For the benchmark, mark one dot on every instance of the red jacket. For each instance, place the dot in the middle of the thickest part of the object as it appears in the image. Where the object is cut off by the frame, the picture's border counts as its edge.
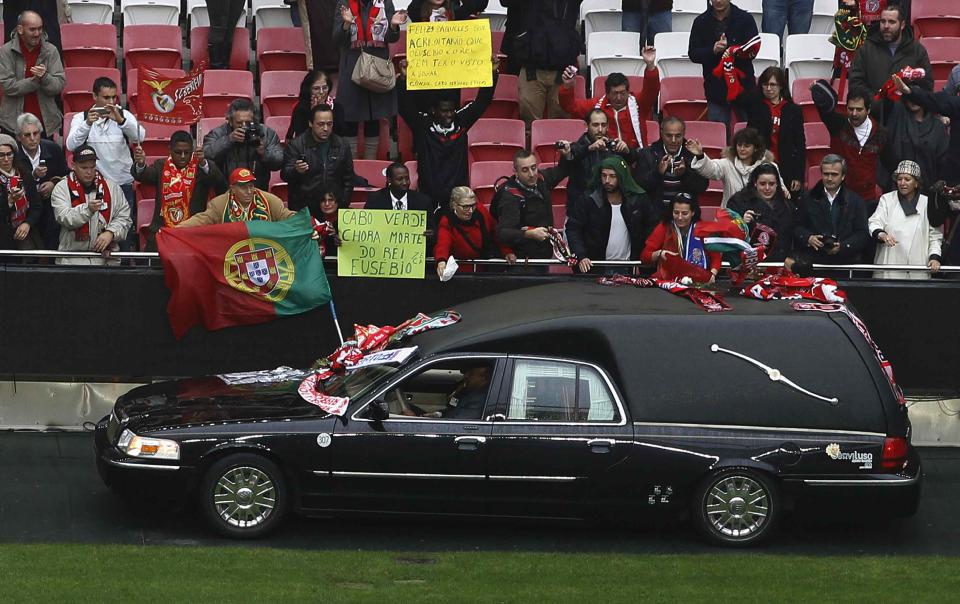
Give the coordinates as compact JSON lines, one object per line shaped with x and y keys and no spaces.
{"x":452,"y":239}
{"x":664,"y":237}
{"x":645,"y":101}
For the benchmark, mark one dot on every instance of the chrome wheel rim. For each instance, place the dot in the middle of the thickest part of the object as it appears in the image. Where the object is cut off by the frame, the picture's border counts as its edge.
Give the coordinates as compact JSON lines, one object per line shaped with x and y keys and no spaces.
{"x":737,"y":507}
{"x":244,"y":497}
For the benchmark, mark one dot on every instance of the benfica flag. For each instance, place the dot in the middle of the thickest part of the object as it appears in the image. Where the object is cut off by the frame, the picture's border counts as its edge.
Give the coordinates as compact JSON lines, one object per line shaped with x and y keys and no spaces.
{"x":241,"y":273}
{"x":166,"y":100}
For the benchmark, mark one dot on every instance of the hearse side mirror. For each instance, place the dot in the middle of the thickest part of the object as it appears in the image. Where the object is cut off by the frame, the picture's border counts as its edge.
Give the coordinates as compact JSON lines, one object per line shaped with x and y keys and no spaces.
{"x":378,"y":411}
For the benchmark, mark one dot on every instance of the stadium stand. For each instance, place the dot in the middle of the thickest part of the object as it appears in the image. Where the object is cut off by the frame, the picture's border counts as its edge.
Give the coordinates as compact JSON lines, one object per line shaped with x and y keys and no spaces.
{"x":279,"y":91}
{"x":281,"y":49}
{"x":611,"y":51}
{"x":496,"y":139}
{"x":77,"y":92}
{"x":89,"y":45}
{"x":683,"y":97}
{"x":672,"y":59}
{"x":152,"y":45}
{"x":239,"y":52}
{"x":808,"y":56}
{"x":506,"y":98}
{"x":818,"y":142}
{"x":546,"y":132}
{"x":150,"y":12}
{"x":601,"y":15}
{"x":271,"y":13}
{"x":943,"y":53}
{"x":935,"y":18}
{"x":484,"y":175}
{"x":221,"y":86}
{"x":90,"y":11}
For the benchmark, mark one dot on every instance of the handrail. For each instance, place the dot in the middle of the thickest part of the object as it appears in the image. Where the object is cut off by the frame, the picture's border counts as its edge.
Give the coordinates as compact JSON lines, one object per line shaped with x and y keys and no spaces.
{"x":151,"y":256}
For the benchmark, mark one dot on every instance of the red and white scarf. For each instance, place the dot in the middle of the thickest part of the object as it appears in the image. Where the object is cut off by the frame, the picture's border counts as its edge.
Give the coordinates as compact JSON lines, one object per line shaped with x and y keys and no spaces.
{"x":633,"y":107}
{"x":726,"y":71}
{"x":374,"y":31}
{"x":176,"y":189}
{"x":19,"y":207}
{"x":79,"y":197}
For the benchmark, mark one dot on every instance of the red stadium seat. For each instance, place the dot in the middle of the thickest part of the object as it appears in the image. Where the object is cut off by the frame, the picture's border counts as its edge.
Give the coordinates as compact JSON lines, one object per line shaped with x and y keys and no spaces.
{"x":222,"y":86}
{"x":278,"y":186}
{"x":67,"y":120}
{"x":398,"y":48}
{"x":374,"y":171}
{"x":152,"y":46}
{"x":239,"y":53}
{"x":653,"y":130}
{"x":709,"y":213}
{"x":558,"y":195}
{"x":636,"y":85}
{"x":279,"y":91}
{"x":544,"y":133}
{"x":412,"y":166}
{"x":157,"y":140}
{"x":818,"y":142}
{"x":484,"y":175}
{"x":206,"y":124}
{"x":712,"y":135}
{"x":943,"y":53}
{"x":506,"y":98}
{"x":813,"y":176}
{"x":559,"y":216}
{"x":495,"y":139}
{"x":89,"y":45}
{"x":133,"y":87}
{"x":713,"y":196}
{"x":682,"y":96}
{"x":281,"y":49}
{"x":580,"y":87}
{"x":144,"y":214}
{"x":404,"y":140}
{"x":279,"y":124}
{"x":932,"y":18}
{"x":78,"y":87}
{"x":496,"y":41}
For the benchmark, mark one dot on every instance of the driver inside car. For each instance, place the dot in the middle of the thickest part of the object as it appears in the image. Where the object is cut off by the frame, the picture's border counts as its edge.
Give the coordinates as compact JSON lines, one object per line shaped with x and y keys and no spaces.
{"x":467,"y":399}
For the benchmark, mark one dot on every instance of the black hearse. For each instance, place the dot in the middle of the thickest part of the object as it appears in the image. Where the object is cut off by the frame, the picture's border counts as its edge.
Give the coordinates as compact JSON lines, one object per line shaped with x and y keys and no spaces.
{"x":568,"y":400}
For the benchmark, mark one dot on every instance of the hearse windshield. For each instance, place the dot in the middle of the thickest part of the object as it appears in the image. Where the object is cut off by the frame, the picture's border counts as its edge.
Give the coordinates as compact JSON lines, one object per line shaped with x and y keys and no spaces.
{"x":355,"y":383}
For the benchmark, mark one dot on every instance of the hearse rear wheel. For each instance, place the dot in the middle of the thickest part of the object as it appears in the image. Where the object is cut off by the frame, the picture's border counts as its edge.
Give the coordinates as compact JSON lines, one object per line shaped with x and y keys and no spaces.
{"x":736,"y":507}
{"x":244,"y":495}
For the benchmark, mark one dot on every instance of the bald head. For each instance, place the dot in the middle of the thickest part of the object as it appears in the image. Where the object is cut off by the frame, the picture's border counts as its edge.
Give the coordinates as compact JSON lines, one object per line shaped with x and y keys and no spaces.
{"x":30,"y":28}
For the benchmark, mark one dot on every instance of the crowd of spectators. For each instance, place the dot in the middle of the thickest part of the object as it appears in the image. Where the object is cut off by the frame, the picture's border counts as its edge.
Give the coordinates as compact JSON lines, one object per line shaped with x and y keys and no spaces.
{"x":628,"y":196}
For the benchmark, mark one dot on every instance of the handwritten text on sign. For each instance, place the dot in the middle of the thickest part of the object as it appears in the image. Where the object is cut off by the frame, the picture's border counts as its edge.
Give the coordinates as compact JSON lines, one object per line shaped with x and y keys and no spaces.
{"x":382,"y":243}
{"x":451,"y":54}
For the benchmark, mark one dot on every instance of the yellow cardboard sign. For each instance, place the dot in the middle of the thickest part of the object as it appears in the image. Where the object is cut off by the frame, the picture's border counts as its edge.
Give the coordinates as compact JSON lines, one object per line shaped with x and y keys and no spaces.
{"x":382,"y":243}
{"x":449,"y":54}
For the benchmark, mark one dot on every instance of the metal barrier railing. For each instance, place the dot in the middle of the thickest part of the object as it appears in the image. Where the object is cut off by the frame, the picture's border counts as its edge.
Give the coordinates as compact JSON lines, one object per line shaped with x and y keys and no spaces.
{"x":152,"y":259}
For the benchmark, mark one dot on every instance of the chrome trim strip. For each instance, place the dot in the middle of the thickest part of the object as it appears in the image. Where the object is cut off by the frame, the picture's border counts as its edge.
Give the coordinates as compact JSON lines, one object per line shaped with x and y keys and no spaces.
{"x":775,"y":374}
{"x":470,"y":439}
{"x":764,"y":428}
{"x":402,"y":475}
{"x":140,"y":466}
{"x":535,"y":478}
{"x":601,"y":442}
{"x":893,"y":482}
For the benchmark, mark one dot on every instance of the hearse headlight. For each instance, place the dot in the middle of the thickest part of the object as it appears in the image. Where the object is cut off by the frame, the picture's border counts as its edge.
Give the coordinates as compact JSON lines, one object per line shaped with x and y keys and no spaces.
{"x":145,"y":446}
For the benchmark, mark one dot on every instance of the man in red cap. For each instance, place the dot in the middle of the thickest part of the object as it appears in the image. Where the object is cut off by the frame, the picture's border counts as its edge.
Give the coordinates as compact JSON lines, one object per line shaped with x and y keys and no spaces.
{"x":243,"y":202}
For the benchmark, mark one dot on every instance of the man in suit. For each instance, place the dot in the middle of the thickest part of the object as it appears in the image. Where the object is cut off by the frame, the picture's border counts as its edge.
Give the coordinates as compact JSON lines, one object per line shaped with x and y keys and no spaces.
{"x":397,"y":195}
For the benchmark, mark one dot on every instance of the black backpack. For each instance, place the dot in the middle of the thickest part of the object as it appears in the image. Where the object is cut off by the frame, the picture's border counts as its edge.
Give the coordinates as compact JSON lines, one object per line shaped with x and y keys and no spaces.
{"x":504,"y":186}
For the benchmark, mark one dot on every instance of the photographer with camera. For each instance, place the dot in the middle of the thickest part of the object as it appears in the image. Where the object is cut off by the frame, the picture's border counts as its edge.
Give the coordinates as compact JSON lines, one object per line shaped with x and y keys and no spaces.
{"x":594,"y":146}
{"x":832,"y":222}
{"x":243,"y":142}
{"x":766,"y":209}
{"x":316,"y":159}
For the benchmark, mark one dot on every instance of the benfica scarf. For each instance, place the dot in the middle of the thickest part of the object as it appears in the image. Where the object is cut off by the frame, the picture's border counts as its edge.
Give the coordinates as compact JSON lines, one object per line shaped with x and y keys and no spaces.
{"x":374,"y":31}
{"x":19,"y":206}
{"x":78,"y":197}
{"x":258,"y":209}
{"x":784,"y":285}
{"x":728,"y":72}
{"x":176,"y":189}
{"x":708,"y":301}
{"x":889,"y":89}
{"x":634,"y":108}
{"x":561,"y":251}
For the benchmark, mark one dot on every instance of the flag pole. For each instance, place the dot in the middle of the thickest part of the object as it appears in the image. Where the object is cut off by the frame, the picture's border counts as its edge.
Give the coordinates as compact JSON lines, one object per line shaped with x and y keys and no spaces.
{"x":333,"y":311}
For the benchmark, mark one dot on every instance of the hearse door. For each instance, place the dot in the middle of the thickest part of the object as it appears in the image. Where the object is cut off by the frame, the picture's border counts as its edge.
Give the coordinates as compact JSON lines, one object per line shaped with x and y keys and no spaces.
{"x":430,"y":454}
{"x":559,"y":440}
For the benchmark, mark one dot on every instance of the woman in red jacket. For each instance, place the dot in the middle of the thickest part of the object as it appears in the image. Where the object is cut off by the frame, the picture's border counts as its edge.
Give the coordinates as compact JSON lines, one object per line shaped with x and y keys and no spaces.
{"x":674,"y":236}
{"x":467,"y":231}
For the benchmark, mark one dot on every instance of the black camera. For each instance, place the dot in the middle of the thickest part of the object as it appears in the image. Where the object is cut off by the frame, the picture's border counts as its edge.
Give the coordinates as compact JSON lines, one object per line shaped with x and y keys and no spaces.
{"x":558,"y":145}
{"x":612,"y":145}
{"x":829,"y":241}
{"x":302,"y":158}
{"x":251,"y":134}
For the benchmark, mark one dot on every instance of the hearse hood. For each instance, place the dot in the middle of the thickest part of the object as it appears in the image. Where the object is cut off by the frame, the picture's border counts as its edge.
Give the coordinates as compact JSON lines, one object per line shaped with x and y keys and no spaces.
{"x":206,"y":400}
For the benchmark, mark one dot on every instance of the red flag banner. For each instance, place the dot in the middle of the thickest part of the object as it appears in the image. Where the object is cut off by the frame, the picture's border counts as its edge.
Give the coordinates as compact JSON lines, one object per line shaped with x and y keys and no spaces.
{"x":168,"y":100}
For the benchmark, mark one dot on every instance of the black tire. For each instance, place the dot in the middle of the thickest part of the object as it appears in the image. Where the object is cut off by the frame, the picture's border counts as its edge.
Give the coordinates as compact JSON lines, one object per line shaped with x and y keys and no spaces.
{"x":249,"y":510}
{"x":736,"y":507}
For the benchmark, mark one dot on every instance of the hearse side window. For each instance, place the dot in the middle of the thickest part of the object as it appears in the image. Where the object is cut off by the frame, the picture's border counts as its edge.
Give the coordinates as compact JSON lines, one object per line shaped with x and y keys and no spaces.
{"x":556,"y":391}
{"x":455,"y":389}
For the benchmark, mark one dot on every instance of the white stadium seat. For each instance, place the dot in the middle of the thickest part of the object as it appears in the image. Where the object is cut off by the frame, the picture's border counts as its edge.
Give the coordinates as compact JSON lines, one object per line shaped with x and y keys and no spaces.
{"x":91,"y":11}
{"x":809,"y":56}
{"x":611,"y":51}
{"x":672,"y":56}
{"x":684,"y":13}
{"x":769,"y":54}
{"x":271,"y":13}
{"x":601,"y":15}
{"x":754,"y":7}
{"x":200,"y":17}
{"x":497,"y":15}
{"x":150,"y":12}
{"x":823,"y":13}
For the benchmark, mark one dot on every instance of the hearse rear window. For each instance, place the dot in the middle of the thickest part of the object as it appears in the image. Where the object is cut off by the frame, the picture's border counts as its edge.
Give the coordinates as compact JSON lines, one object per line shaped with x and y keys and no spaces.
{"x":556,"y":391}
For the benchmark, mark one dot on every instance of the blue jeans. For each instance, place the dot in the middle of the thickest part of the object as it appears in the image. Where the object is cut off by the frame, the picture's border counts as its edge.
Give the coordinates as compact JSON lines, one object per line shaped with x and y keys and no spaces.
{"x":660,"y":22}
{"x":722,"y":112}
{"x":778,"y":14}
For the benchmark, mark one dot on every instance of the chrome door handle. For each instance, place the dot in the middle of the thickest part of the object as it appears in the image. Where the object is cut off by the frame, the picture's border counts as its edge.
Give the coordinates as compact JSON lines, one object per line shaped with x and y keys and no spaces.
{"x":600,"y":445}
{"x":469,"y":443}
{"x":496,"y":417}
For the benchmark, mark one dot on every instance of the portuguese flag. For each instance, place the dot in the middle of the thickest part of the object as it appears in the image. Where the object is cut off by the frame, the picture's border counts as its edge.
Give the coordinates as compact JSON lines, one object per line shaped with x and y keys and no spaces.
{"x":241,"y":273}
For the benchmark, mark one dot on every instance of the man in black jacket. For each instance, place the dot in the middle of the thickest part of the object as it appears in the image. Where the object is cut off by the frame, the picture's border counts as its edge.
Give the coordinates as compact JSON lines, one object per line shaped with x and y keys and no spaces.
{"x":613,"y":220}
{"x":721,"y":26}
{"x":832,"y":228}
{"x":591,"y":149}
{"x":315,"y":159}
{"x":663,"y":168}
{"x":49,"y":166}
{"x":522,"y":207}
{"x":440,"y":137}
{"x":397,"y":195}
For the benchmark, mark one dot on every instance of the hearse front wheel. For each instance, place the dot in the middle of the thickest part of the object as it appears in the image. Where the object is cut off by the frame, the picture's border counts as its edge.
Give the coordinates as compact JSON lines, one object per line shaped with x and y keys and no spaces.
{"x":244,"y":495}
{"x":736,"y":507}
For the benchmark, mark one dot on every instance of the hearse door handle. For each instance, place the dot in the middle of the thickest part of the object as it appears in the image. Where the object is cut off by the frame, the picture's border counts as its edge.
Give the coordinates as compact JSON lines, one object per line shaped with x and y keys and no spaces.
{"x":600,"y":445}
{"x":469,"y":443}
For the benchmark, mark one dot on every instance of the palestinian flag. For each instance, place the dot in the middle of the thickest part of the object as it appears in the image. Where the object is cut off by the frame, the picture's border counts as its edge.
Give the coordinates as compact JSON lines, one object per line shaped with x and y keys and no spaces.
{"x":241,"y":273}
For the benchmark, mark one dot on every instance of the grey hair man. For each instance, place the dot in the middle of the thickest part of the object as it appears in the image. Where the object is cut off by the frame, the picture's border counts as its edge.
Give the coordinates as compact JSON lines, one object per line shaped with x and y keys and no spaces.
{"x":46,"y":161}
{"x":242,"y":142}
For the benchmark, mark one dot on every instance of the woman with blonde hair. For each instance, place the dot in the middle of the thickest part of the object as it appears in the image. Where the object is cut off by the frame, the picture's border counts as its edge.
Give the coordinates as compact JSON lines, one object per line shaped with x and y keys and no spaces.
{"x":467,"y":231}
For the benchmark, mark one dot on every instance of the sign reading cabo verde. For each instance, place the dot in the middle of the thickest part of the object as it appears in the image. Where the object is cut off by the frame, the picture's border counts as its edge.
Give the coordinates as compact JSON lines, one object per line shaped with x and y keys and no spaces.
{"x":450,"y":54}
{"x":382,"y":243}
